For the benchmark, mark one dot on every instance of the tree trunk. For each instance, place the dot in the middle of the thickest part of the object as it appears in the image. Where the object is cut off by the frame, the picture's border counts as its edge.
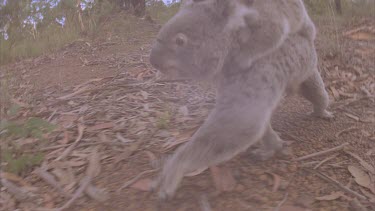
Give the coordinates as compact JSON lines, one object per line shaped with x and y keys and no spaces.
{"x":338,"y":7}
{"x":139,"y":7}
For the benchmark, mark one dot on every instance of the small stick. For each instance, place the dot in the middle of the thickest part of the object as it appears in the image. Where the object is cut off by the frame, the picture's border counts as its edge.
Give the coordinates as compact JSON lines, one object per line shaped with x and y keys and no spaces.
{"x":79,"y":91}
{"x":71,"y":147}
{"x":367,"y":166}
{"x":337,"y":165}
{"x":18,"y":192}
{"x":49,"y":148}
{"x":321,"y":152}
{"x":52,"y":115}
{"x":339,"y":185}
{"x":309,"y":163}
{"x":47,"y":177}
{"x":80,"y":145}
{"x":293,"y":137}
{"x":345,"y":131}
{"x":325,"y":160}
{"x":85,"y":182}
{"x":130,"y":182}
{"x":171,"y":80}
{"x":281,"y":203}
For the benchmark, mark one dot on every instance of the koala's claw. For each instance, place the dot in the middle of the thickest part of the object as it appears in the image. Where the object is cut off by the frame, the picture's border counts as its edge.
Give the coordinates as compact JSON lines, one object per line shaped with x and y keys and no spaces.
{"x":262,"y":154}
{"x":163,"y":196}
{"x":165,"y":192}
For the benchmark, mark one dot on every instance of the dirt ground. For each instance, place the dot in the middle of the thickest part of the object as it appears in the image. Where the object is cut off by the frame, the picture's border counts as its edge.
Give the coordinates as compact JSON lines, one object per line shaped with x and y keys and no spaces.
{"x":117,"y":119}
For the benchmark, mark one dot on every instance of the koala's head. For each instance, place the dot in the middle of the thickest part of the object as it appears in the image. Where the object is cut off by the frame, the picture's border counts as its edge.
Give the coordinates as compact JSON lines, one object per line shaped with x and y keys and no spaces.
{"x":206,"y":34}
{"x":194,"y":42}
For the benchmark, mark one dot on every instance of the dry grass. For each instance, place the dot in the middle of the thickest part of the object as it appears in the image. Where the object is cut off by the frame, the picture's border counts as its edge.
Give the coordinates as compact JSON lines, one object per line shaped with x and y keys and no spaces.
{"x":330,"y":24}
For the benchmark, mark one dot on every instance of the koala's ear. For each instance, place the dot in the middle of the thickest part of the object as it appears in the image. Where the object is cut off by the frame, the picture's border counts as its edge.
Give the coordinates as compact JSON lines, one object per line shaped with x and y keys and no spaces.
{"x":240,"y":14}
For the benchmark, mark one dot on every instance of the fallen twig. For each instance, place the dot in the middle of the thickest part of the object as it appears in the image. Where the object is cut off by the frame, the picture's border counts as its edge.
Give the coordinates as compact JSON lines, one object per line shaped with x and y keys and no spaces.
{"x":19,"y":193}
{"x":172,"y":80}
{"x":130,"y":182}
{"x":293,"y":137}
{"x":366,"y":165}
{"x":276,"y":181}
{"x":338,"y":184}
{"x":52,"y":115}
{"x":309,"y":163}
{"x":337,"y":135}
{"x":79,"y":145}
{"x":71,"y":147}
{"x":85,"y":182}
{"x":94,"y":168}
{"x":281,"y":203}
{"x":122,"y":139}
{"x":351,"y":116}
{"x":90,"y":81}
{"x":325,"y":160}
{"x":321,"y":152}
{"x":79,"y":91}
{"x":47,"y":177}
{"x":49,"y":148}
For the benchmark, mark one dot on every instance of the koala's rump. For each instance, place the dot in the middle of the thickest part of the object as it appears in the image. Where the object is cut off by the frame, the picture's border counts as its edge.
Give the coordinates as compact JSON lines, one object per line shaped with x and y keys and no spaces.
{"x":293,"y":63}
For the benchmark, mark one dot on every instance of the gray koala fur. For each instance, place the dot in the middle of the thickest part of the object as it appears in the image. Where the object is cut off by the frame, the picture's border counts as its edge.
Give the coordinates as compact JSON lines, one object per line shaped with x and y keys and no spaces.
{"x":256,"y":50}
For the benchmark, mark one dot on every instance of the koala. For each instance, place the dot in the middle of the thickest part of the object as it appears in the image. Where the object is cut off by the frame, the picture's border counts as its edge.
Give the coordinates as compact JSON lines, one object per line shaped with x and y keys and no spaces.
{"x":255,"y":51}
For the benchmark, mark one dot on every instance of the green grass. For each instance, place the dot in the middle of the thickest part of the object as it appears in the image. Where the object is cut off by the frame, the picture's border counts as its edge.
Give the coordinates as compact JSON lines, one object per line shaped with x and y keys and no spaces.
{"x":163,"y":120}
{"x":19,"y":163}
{"x":330,"y":24}
{"x":48,"y":41}
{"x":12,"y":156}
{"x":52,"y":37}
{"x":351,"y":10}
{"x":33,"y":127}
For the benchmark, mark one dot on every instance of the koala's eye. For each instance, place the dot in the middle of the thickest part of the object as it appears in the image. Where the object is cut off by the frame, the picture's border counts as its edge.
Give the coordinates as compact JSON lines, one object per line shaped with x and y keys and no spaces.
{"x":181,"y":40}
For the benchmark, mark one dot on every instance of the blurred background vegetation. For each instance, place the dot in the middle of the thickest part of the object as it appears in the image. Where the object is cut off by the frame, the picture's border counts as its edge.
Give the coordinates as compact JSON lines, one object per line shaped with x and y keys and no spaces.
{"x":29,"y":28}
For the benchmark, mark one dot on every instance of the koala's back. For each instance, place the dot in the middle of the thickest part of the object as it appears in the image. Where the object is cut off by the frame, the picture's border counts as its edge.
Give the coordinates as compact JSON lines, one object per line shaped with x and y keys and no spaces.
{"x":293,"y":63}
{"x":293,"y":11}
{"x":283,"y":70}
{"x":268,"y":25}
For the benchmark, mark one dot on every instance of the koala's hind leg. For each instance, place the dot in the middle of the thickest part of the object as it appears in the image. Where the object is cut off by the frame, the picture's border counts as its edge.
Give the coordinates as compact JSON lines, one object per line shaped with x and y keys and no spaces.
{"x":229,"y":130}
{"x":271,"y":144}
{"x":313,"y":90}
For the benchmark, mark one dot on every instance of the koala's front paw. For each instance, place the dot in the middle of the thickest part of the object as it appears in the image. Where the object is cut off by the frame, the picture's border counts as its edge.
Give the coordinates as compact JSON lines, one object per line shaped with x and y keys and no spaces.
{"x":170,"y":178}
{"x":166,"y":191}
{"x":160,"y":186}
{"x":262,"y":154}
{"x":275,"y":149}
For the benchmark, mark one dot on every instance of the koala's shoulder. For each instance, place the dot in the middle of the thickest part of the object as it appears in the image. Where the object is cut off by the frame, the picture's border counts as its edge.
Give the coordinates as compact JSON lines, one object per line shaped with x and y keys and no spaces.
{"x":293,"y":11}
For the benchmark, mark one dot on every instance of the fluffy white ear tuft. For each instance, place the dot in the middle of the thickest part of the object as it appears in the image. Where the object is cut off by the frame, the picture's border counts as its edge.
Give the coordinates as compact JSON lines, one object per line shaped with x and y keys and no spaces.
{"x":237,"y":15}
